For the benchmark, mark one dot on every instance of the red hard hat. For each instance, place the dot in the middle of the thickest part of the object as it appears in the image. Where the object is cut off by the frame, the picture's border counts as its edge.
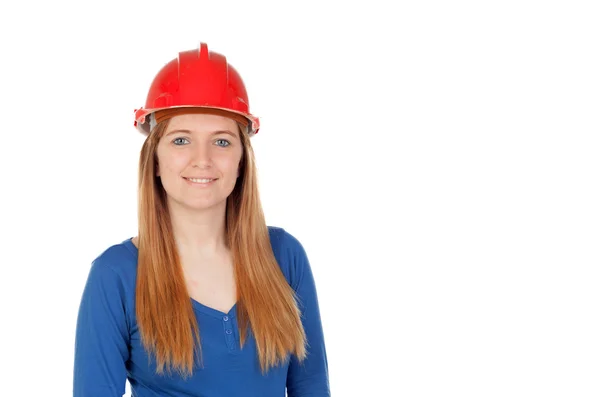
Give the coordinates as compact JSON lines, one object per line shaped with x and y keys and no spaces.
{"x":196,"y":78}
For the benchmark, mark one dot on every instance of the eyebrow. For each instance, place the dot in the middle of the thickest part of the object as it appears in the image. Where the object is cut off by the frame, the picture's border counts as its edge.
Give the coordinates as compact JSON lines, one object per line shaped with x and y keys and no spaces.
{"x":213,"y":133}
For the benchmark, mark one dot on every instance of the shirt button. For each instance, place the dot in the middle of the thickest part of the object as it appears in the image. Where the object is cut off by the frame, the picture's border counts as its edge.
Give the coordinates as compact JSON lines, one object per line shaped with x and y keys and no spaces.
{"x":225,"y":318}
{"x":228,"y":331}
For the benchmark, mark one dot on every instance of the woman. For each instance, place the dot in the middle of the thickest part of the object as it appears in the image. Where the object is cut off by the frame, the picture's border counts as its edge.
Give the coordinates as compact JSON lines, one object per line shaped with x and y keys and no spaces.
{"x":207,"y":300}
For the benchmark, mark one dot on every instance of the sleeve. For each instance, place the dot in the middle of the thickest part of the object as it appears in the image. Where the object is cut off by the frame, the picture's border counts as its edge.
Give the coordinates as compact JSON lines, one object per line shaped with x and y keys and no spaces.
{"x":101,"y":336}
{"x":309,"y":378}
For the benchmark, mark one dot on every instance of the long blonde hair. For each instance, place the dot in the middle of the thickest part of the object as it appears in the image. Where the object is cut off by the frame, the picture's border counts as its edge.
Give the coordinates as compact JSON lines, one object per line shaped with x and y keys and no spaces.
{"x":265,"y":300}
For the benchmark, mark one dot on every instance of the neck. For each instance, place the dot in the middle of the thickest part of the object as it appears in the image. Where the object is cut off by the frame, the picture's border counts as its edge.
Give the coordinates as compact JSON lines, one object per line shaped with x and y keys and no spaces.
{"x":199,"y":233}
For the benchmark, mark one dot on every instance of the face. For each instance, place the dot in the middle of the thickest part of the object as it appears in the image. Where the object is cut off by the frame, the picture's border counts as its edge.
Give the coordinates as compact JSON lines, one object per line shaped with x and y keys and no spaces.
{"x":199,"y":146}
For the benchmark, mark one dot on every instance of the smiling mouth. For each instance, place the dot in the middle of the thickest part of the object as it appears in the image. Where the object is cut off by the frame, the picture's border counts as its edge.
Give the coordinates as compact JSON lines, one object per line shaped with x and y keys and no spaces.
{"x":200,"y":181}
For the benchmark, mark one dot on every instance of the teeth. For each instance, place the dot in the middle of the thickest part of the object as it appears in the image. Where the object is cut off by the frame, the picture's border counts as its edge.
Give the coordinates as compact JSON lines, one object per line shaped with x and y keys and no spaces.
{"x":199,"y":180}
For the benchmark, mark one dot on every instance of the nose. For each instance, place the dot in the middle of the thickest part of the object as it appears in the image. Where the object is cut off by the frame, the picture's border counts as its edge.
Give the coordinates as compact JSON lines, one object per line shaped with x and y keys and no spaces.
{"x":202,"y":156}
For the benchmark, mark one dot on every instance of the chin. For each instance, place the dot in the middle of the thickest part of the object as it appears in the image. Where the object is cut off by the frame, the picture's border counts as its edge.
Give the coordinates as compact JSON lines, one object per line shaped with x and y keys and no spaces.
{"x":203,"y":206}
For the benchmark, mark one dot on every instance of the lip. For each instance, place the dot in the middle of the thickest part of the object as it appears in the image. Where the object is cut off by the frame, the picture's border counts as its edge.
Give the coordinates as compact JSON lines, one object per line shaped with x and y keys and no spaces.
{"x":197,"y":184}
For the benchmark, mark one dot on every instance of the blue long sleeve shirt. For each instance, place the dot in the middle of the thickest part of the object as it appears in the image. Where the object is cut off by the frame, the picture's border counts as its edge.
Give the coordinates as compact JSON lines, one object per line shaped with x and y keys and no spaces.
{"x":108,"y":349}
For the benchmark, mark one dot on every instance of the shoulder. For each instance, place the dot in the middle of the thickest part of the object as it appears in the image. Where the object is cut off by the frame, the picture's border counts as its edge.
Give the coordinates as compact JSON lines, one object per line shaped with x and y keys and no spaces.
{"x":284,"y":242}
{"x":118,"y":257}
{"x":290,"y":254}
{"x":115,"y":264}
{"x":282,"y":237}
{"x":110,"y":286}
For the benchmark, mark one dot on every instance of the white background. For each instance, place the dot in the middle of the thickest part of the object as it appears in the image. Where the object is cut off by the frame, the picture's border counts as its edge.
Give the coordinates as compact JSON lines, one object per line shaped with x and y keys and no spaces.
{"x":439,"y":161}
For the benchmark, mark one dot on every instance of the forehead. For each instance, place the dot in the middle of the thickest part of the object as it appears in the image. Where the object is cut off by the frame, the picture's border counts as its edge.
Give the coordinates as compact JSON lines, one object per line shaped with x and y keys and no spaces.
{"x":202,"y":123}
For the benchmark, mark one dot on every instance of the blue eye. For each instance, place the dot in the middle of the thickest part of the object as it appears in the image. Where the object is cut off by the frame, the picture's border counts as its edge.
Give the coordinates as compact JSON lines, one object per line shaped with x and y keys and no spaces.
{"x":176,"y":139}
{"x":224,"y":144}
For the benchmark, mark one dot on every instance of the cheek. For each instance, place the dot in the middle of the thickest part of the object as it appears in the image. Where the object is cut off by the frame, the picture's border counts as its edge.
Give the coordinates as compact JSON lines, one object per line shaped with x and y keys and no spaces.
{"x":172,"y":164}
{"x":229,"y":164}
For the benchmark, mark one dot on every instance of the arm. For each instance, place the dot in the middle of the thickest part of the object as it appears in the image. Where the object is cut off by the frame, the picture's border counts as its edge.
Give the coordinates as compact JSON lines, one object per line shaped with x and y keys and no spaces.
{"x":101,"y":336}
{"x":309,"y":378}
